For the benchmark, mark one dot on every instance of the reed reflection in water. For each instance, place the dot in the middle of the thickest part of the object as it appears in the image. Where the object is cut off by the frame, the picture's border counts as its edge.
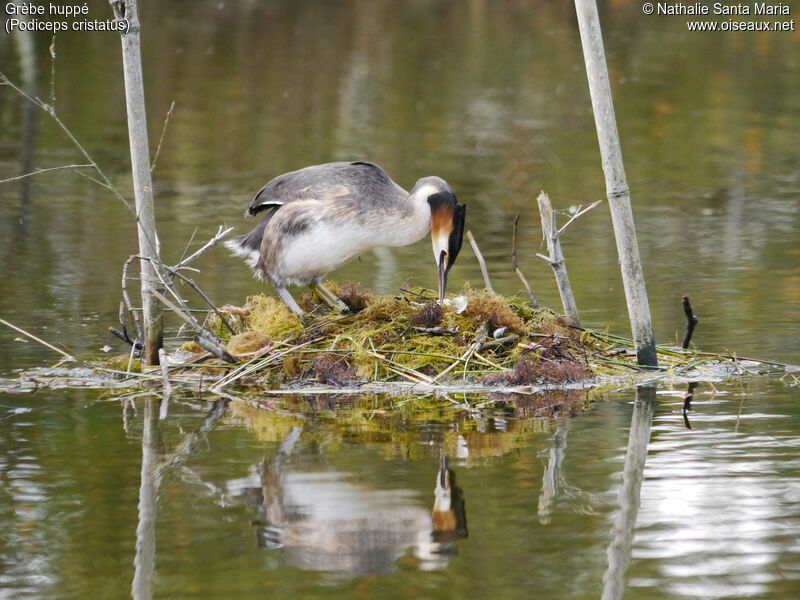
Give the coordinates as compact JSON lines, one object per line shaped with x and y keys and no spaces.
{"x":316,"y":517}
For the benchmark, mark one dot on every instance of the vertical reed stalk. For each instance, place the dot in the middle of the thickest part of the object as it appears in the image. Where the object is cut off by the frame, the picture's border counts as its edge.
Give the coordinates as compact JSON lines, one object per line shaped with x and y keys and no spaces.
{"x":142,"y":181}
{"x":619,"y":198}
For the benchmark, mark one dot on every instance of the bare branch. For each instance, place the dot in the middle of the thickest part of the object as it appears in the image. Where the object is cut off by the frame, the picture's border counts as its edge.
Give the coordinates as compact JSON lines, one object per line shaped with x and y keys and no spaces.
{"x":514,"y":264}
{"x":691,"y":322}
{"x":52,"y":50}
{"x":205,"y":339}
{"x":544,"y":258}
{"x":40,"y":171}
{"x":90,"y":178}
{"x":617,"y":191}
{"x":578,"y":213}
{"x":189,"y":243}
{"x":161,"y":140}
{"x":52,"y":112}
{"x":481,"y":262}
{"x":214,"y":348}
{"x":203,"y":295}
{"x":127,"y":299}
{"x":162,"y":360}
{"x":221,"y":234}
{"x":182,"y":313}
{"x":556,"y":259}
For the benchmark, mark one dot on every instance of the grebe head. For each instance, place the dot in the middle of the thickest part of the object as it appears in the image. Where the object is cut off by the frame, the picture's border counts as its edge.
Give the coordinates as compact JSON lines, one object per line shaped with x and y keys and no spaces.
{"x":447,"y":225}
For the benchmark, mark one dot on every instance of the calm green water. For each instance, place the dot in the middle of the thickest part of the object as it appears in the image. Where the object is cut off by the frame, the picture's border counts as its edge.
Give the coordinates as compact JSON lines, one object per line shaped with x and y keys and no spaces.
{"x":492,"y":96}
{"x":544,"y":510}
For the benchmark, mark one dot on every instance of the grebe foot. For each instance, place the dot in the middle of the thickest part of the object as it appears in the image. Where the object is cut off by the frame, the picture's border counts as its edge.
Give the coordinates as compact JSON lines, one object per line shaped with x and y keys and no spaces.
{"x":284,"y":295}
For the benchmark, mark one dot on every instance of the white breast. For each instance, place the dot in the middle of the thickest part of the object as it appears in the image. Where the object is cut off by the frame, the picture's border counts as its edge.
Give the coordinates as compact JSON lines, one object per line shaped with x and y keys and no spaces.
{"x":307,"y":256}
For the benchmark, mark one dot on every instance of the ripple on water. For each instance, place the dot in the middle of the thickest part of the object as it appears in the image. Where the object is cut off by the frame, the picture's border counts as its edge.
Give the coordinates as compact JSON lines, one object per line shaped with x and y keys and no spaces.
{"x":719,"y":512}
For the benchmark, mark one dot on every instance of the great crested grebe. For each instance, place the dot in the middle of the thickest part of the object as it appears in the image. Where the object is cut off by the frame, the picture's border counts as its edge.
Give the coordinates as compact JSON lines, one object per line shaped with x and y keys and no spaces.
{"x":322,"y":216}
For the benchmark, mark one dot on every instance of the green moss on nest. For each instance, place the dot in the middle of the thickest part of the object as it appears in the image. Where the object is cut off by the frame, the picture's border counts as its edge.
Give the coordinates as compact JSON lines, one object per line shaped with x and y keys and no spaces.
{"x":489,"y":307}
{"x":192,"y":346}
{"x":121,"y":363}
{"x":292,"y":366}
{"x":271,"y":317}
{"x":390,"y":337}
{"x":247,"y":343}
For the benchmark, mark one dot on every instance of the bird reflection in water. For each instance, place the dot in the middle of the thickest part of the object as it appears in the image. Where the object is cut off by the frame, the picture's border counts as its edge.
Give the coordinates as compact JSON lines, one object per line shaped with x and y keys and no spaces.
{"x":320,"y":519}
{"x":449,"y":515}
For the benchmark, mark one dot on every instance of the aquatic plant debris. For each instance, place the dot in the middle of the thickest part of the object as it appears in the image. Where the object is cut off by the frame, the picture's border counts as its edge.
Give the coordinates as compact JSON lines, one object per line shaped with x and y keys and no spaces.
{"x":476,"y":339}
{"x":412,"y":337}
{"x":475,"y":342}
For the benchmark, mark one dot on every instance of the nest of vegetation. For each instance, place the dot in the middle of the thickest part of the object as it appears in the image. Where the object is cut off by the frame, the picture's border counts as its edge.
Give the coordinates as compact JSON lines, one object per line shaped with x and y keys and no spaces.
{"x":476,"y":338}
{"x":476,"y":341}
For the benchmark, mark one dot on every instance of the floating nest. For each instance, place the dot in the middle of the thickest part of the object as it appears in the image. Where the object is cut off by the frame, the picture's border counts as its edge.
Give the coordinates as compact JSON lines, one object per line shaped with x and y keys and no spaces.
{"x":476,"y":337}
{"x":474,"y":340}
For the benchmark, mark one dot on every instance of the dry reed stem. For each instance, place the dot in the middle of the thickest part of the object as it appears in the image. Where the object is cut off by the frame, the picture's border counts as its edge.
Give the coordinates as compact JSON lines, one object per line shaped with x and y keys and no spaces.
{"x":481,"y":262}
{"x":515,"y":265}
{"x":37,"y":339}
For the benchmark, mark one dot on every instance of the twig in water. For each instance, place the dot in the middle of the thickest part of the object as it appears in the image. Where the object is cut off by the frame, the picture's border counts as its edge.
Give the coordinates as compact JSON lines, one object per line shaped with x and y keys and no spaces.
{"x":687,"y":403}
{"x":50,"y":110}
{"x":204,"y":338}
{"x":130,"y":361}
{"x":192,"y":441}
{"x":481,"y":262}
{"x":691,"y":322}
{"x":40,"y":171}
{"x":126,"y":298}
{"x":37,"y":339}
{"x":121,"y":317}
{"x":515,"y":265}
{"x":162,"y":360}
{"x":161,"y":140}
{"x":123,"y":335}
{"x":52,"y":50}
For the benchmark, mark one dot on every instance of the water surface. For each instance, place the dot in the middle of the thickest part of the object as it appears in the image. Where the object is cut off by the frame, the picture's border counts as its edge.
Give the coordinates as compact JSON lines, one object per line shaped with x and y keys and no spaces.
{"x":492,"y":96}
